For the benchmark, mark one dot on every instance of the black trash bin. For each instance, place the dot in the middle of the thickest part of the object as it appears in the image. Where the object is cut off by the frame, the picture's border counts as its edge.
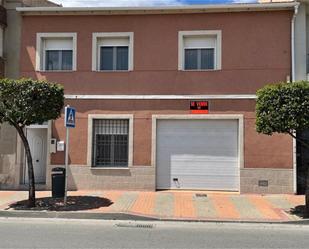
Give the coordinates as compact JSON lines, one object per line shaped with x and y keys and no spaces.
{"x":58,"y":182}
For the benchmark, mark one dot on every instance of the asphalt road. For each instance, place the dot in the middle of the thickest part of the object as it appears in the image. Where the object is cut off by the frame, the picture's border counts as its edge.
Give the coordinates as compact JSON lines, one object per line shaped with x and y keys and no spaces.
{"x":57,"y":233}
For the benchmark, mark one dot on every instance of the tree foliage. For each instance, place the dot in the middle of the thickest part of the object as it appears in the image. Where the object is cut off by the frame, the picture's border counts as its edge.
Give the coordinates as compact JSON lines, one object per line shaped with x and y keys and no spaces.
{"x":24,"y":102}
{"x":283,"y":108}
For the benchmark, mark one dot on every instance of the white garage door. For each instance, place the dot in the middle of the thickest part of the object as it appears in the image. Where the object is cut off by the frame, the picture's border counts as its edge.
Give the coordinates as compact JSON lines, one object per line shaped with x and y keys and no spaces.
{"x":197,"y":154}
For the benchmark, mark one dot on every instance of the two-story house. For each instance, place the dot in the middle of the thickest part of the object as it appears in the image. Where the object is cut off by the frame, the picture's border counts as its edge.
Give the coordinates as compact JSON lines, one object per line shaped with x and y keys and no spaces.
{"x":165,"y":96}
{"x":11,"y":152}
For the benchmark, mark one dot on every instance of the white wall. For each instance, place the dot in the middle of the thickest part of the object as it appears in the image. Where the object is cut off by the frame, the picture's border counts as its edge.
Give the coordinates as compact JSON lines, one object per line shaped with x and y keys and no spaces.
{"x":301,"y":44}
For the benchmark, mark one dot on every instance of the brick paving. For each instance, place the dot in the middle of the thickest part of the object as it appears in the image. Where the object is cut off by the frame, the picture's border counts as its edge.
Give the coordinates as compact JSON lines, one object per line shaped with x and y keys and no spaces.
{"x":184,"y":204}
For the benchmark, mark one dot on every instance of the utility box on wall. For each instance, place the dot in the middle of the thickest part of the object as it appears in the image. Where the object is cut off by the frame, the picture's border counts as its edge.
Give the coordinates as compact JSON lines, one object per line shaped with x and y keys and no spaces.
{"x":60,"y":146}
{"x":53,"y":145}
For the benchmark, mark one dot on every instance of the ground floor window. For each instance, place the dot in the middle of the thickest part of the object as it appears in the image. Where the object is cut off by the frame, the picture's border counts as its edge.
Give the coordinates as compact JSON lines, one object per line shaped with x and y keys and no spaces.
{"x":110,"y":142}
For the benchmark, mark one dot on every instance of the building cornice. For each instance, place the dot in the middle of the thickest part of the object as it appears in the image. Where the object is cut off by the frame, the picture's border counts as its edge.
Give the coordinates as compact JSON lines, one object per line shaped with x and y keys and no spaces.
{"x":206,"y":8}
{"x":160,"y":97}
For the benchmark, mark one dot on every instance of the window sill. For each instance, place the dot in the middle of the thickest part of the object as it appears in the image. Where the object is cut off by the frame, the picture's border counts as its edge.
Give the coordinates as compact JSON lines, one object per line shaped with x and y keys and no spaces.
{"x":200,"y":70}
{"x":113,"y":71}
{"x":56,"y":71}
{"x":109,"y":168}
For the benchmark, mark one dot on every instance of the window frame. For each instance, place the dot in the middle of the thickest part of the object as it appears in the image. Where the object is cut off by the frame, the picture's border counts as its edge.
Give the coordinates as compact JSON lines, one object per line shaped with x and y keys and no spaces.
{"x":199,"y":53}
{"x":217,"y":49}
{"x":99,"y":59}
{"x":91,"y":118}
{"x":112,"y":35}
{"x":60,"y":60}
{"x":41,"y":51}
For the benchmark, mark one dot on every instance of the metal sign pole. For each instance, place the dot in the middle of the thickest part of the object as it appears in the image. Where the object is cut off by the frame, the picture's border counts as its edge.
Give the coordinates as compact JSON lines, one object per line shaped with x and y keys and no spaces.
{"x":69,"y":123}
{"x":66,"y":164}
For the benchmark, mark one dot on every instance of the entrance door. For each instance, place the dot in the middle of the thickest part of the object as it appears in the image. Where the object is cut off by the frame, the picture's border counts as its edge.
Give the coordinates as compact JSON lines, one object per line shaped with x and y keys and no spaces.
{"x":38,"y":146}
{"x":302,"y":162}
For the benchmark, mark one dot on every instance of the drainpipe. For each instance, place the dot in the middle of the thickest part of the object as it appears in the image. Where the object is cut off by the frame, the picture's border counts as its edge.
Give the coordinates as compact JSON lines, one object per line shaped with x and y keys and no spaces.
{"x":293,"y":40}
{"x":292,"y":80}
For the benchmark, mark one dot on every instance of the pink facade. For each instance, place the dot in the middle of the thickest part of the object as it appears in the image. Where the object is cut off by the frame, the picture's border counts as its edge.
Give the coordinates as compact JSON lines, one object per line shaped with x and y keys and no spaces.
{"x":255,"y":51}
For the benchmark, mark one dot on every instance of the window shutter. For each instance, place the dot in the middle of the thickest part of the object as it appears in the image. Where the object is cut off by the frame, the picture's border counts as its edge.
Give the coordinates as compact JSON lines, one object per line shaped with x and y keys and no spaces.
{"x":113,"y":42}
{"x":200,"y":42}
{"x":58,"y":44}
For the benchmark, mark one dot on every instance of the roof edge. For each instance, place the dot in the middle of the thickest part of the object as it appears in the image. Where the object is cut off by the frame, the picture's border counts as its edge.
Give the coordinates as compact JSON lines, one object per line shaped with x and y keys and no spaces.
{"x":159,"y":9}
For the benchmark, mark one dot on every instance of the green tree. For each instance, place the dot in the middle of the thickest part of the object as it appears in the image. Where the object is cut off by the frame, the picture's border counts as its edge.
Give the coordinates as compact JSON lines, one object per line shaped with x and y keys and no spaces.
{"x":284,"y":108}
{"x":24,"y":102}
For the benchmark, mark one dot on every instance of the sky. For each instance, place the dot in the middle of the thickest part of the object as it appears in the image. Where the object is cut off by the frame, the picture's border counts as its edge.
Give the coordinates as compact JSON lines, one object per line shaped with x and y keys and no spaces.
{"x":137,"y":3}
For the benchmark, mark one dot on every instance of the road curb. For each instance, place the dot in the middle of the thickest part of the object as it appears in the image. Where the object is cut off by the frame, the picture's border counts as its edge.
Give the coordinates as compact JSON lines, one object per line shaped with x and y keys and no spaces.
{"x":72,"y":215}
{"x":126,"y":216}
{"x":298,"y":222}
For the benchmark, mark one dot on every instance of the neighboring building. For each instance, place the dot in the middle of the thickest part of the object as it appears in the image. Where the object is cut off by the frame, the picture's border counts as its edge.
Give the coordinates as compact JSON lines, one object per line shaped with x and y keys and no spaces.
{"x":11,"y":153}
{"x":300,"y":71}
{"x":132,"y":74}
{"x":301,"y":66}
{"x":3,"y":23}
{"x":5,"y":152}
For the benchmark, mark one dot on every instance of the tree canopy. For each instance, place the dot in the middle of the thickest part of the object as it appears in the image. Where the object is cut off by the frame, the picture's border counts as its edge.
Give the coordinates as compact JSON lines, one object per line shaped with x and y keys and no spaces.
{"x":24,"y":102}
{"x":283,"y":108}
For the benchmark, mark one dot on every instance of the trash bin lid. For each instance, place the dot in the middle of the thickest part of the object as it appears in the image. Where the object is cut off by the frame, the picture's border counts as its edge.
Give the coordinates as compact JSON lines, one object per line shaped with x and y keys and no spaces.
{"x":58,"y":169}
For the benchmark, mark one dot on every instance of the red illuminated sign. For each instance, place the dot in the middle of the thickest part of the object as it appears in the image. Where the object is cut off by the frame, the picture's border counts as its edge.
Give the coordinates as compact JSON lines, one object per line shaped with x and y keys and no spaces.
{"x":199,"y":107}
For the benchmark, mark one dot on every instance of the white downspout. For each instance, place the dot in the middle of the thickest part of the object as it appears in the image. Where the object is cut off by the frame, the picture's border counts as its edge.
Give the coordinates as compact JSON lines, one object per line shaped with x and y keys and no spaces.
{"x":292,"y":80}
{"x":293,"y":40}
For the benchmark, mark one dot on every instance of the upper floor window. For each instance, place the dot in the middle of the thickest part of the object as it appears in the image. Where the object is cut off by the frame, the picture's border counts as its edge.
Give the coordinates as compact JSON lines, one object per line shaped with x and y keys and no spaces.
{"x":114,"y":57}
{"x":56,"y":51}
{"x":199,"y":50}
{"x":58,"y":54}
{"x":112,"y":52}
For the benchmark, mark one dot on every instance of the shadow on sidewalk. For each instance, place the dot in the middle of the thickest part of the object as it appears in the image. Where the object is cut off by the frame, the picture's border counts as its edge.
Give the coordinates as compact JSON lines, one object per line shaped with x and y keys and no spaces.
{"x":298,"y":211}
{"x":74,"y":203}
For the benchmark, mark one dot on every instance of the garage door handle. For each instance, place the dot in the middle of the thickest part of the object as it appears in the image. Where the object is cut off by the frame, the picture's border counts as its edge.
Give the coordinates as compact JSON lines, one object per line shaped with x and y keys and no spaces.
{"x":37,"y":160}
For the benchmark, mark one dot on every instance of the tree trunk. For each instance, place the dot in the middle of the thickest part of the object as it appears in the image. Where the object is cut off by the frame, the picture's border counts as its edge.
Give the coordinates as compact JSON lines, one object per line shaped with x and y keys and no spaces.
{"x":31,"y":189}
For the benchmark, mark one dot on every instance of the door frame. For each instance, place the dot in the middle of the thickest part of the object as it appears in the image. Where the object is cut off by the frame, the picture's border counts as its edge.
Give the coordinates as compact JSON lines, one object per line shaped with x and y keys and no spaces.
{"x":46,"y":126}
{"x":238,"y":117}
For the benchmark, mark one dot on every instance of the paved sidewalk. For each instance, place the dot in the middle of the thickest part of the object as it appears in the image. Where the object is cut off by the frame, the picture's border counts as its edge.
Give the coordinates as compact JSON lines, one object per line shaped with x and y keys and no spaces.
{"x":183,"y":205}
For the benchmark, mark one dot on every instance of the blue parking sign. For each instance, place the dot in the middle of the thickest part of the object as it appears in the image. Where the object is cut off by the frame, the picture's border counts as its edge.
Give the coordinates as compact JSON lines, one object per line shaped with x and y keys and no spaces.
{"x":69,"y":121}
